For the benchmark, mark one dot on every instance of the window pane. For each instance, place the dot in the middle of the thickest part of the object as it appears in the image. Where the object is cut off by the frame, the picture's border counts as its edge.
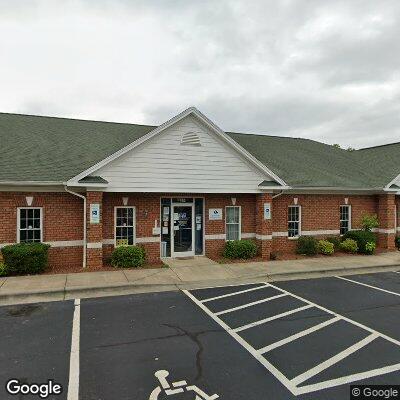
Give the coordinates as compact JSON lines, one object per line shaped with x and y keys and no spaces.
{"x":22,"y":223}
{"x":22,"y":236}
{"x":232,"y":232}
{"x":36,"y":235}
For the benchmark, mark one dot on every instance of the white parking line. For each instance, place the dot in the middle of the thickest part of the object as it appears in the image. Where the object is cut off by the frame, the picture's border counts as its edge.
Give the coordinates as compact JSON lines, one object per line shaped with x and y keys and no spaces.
{"x":369,"y":286}
{"x":73,"y":384}
{"x":274,"y":371}
{"x":250,"y":304}
{"x":292,"y":385}
{"x":265,"y":320}
{"x":333,"y":360}
{"x":223,"y":296}
{"x":298,"y":335}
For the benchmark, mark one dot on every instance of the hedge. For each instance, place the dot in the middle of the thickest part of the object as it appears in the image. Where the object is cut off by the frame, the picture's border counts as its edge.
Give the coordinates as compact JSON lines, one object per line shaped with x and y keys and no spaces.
{"x":128,"y":257}
{"x":307,"y":245}
{"x":349,"y":246}
{"x":25,"y":258}
{"x":240,"y":249}
{"x":362,"y":238}
{"x":325,"y":247}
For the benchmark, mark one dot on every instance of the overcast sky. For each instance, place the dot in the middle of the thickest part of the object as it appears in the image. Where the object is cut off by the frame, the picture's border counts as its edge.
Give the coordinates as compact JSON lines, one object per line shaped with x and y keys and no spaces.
{"x":322,"y":69}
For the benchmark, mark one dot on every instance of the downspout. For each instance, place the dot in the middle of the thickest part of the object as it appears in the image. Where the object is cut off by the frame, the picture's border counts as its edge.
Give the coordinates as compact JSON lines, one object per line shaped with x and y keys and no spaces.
{"x":84,"y":221}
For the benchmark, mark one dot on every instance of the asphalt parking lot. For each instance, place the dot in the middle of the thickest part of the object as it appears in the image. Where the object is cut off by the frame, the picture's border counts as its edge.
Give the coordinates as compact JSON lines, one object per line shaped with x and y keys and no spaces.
{"x":303,"y":339}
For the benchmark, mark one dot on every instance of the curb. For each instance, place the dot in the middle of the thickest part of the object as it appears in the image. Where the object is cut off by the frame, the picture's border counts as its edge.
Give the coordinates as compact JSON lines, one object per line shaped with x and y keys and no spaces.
{"x":130,"y":288}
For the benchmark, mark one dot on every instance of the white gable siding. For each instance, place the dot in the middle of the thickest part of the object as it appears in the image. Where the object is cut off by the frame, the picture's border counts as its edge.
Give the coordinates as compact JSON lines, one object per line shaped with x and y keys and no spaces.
{"x":163,"y":164}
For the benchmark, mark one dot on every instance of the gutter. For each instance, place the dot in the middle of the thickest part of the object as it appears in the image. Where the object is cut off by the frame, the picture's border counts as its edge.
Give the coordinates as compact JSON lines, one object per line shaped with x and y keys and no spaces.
{"x":84,"y":222}
{"x":33,"y":183}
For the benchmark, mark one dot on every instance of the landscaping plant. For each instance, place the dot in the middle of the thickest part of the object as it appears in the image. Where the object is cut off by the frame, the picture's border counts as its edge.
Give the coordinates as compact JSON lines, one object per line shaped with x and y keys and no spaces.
{"x":307,"y":245}
{"x":335,"y":240}
{"x":397,"y":242}
{"x":25,"y":258}
{"x":362,"y":238}
{"x":370,"y":247}
{"x":3,"y":269}
{"x":369,"y":221}
{"x":349,"y":246}
{"x":128,"y":257}
{"x":325,"y":247}
{"x":240,"y":249}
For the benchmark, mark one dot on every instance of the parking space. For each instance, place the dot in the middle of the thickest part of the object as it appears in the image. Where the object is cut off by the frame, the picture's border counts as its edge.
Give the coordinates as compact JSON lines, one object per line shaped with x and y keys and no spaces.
{"x":35,"y":344}
{"x":305,"y":339}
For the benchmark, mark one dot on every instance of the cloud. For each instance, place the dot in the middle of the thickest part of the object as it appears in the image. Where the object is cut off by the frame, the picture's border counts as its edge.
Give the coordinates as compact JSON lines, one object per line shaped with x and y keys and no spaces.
{"x":323,"y":70}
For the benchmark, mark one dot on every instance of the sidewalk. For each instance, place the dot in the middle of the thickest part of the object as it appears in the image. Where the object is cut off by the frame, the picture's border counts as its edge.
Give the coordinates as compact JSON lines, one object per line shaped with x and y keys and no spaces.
{"x":184,"y":274}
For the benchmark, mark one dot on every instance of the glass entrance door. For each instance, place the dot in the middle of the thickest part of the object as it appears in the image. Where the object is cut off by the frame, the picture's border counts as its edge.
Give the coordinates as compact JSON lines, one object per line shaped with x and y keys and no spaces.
{"x":182,"y":230}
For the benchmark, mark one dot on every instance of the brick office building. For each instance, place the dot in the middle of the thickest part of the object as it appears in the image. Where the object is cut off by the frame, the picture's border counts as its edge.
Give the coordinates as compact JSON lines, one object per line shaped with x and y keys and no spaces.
{"x":182,"y":188}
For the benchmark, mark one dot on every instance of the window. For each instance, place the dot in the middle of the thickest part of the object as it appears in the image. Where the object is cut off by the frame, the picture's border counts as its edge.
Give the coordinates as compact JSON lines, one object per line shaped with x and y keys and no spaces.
{"x":30,"y":225}
{"x":294,"y":222}
{"x":232,"y":221}
{"x":124,"y":226}
{"x":345,"y":219}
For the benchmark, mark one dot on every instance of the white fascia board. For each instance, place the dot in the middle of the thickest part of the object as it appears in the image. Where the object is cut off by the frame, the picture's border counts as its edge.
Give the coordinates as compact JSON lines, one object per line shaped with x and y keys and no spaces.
{"x":31,"y":183}
{"x":167,"y":124}
{"x":393,"y":181}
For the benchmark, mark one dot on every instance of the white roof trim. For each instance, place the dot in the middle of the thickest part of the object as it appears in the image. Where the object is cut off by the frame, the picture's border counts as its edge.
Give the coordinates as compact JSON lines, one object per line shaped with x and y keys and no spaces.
{"x":392,"y":182}
{"x":194,"y":111}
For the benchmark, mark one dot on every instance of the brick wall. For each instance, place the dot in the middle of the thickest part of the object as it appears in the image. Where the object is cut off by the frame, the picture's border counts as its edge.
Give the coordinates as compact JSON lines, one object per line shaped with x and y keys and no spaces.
{"x":62,"y":221}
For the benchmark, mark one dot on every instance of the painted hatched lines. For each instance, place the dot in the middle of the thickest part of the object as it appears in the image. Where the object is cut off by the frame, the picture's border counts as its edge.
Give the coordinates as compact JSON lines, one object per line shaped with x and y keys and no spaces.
{"x":293,"y":385}
{"x":253,"y":303}
{"x":298,"y":335}
{"x":234,"y":293}
{"x":265,"y":320}
{"x":333,"y":360}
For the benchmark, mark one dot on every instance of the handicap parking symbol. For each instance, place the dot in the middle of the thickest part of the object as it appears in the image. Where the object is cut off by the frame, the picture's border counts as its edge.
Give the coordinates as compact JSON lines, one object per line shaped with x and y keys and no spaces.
{"x":165,"y":388}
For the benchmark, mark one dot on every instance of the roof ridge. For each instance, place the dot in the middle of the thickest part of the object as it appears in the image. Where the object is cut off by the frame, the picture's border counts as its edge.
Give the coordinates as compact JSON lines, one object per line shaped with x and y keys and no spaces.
{"x":268,"y":135}
{"x":378,"y":145}
{"x":76,"y":119}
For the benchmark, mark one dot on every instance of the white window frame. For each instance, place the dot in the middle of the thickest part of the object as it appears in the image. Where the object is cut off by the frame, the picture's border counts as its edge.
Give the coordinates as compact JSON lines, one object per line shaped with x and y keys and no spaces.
{"x":231,"y":223}
{"x":19,"y":223}
{"x":134,"y":224}
{"x":299,"y":222}
{"x":340,"y":217}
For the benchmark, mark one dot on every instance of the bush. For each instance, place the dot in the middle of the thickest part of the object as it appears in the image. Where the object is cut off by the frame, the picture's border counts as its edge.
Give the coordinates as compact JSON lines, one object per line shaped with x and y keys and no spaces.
{"x":128,"y":257}
{"x":397,"y":242}
{"x":349,"y":246}
{"x":3,"y":269}
{"x":325,"y":247}
{"x":369,"y":221}
{"x":370,"y":247}
{"x":362,"y":238}
{"x":240,"y":249}
{"x":307,"y":245}
{"x":25,"y":258}
{"x":335,"y":240}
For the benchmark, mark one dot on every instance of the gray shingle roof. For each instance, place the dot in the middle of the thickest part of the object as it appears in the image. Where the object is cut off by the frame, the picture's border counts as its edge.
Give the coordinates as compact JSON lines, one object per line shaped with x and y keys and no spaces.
{"x":36,"y":148}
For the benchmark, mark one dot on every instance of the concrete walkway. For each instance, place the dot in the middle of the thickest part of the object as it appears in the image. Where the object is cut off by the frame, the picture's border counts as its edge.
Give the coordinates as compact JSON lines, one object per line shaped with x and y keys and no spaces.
{"x":184,"y":274}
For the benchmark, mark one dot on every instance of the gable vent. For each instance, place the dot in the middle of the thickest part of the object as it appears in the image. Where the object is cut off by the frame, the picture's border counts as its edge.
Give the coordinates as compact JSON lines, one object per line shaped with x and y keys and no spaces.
{"x":190,"y":139}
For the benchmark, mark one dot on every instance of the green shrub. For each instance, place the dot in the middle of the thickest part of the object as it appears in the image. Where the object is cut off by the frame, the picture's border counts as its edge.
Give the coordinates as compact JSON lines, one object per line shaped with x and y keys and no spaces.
{"x":362,"y":238}
{"x":3,"y":269}
{"x":369,"y":221}
{"x":335,"y":240}
{"x":240,"y":249}
{"x":397,"y":242}
{"x":370,"y":247}
{"x":349,"y":246}
{"x":307,"y":245}
{"x":25,"y":258}
{"x":128,"y":257}
{"x":325,"y":247}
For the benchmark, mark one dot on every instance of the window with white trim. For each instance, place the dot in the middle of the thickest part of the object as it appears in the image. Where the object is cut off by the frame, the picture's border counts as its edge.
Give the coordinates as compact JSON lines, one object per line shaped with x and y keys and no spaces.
{"x":125,"y":226}
{"x":294,"y":221}
{"x":345,"y":219}
{"x":30,"y":225}
{"x":233,"y":222}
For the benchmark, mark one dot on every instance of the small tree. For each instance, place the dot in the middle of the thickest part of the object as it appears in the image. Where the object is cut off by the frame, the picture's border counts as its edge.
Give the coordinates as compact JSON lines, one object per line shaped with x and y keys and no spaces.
{"x":369,"y":221}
